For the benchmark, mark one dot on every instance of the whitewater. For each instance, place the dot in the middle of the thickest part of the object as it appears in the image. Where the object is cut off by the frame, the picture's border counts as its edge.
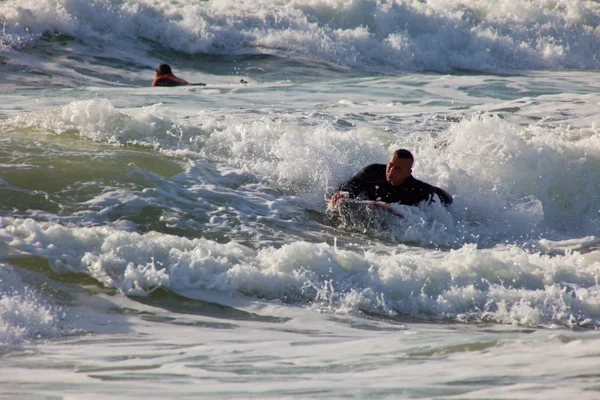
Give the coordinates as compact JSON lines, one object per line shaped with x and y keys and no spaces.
{"x":176,"y":243}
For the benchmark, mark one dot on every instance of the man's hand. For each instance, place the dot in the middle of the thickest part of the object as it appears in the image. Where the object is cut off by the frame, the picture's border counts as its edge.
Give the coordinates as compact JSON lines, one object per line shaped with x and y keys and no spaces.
{"x":337,"y":197}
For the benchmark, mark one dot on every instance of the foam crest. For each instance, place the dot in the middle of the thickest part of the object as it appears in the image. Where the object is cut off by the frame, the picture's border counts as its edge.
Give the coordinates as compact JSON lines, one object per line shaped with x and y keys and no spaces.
{"x":100,"y":121}
{"x":525,"y":179}
{"x":23,"y":314}
{"x":505,"y":284}
{"x":309,"y":159}
{"x":367,"y":34}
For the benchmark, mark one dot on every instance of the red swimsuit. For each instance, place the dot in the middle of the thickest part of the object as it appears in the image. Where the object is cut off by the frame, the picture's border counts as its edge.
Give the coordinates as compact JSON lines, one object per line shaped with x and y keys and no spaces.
{"x":169,"y":80}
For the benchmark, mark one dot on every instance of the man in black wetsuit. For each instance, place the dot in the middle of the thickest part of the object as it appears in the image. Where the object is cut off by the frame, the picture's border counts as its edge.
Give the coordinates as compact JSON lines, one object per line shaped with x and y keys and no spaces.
{"x":391,"y":183}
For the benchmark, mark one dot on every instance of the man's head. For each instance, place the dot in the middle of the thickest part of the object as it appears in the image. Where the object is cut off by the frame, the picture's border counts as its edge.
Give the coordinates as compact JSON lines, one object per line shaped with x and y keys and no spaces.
{"x":163,"y":69}
{"x":399,"y":166}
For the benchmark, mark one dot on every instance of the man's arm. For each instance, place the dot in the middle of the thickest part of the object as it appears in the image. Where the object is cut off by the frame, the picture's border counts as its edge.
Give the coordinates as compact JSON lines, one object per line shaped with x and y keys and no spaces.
{"x":445,"y":198}
{"x":348,"y":190}
{"x":352,"y":188}
{"x":424,"y":191}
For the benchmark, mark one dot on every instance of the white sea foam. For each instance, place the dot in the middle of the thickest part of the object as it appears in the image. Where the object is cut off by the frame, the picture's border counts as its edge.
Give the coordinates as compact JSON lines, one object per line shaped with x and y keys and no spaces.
{"x":531,"y":177}
{"x":98,"y":120}
{"x":509,"y":181}
{"x":368,"y":34}
{"x":505,"y":179}
{"x":505,"y":283}
{"x":24,"y":315}
{"x":216,"y":194}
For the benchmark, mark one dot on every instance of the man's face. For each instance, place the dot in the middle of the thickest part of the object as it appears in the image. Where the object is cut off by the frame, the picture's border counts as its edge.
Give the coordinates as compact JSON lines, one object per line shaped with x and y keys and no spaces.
{"x":398,"y":169}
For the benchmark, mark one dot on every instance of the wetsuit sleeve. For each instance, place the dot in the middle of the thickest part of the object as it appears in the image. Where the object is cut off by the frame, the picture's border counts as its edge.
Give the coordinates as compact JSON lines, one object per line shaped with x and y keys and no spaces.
{"x":358,"y":183}
{"x":444,"y":196}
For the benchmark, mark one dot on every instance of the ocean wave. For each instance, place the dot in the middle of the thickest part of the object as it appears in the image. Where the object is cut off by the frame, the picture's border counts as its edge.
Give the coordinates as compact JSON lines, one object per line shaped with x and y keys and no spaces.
{"x":505,"y":284}
{"x":509,"y":181}
{"x":373,"y":35}
{"x":24,"y":314}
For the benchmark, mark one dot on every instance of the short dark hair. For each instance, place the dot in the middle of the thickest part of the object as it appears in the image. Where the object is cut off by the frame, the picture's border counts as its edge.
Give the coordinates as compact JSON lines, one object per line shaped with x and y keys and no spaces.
{"x":163,"y":69}
{"x":403,"y":153}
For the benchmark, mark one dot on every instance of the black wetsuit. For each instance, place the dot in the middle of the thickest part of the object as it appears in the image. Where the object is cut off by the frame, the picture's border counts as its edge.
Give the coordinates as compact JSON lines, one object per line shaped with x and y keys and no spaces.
{"x":370,"y":184}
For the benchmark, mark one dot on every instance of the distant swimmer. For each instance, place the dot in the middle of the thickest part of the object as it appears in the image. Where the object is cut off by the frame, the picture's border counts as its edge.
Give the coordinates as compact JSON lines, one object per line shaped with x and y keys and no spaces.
{"x":165,"y":77}
{"x":391,"y":183}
